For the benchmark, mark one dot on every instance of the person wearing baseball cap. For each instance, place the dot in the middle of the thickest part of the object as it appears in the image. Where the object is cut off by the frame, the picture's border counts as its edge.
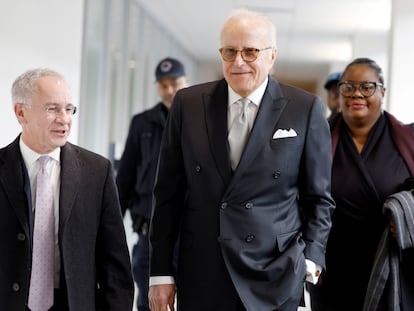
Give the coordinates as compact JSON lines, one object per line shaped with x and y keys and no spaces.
{"x":171,"y":77}
{"x":137,"y":167}
{"x":331,"y":86}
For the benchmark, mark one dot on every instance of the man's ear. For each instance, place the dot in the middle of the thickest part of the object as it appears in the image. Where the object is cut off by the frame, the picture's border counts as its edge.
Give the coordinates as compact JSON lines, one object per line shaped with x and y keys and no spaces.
{"x":274,"y":54}
{"x":19,"y":112}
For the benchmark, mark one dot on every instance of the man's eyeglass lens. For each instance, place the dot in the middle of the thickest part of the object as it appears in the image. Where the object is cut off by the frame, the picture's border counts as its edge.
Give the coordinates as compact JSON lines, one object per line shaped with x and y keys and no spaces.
{"x":55,"y":110}
{"x":229,"y":54}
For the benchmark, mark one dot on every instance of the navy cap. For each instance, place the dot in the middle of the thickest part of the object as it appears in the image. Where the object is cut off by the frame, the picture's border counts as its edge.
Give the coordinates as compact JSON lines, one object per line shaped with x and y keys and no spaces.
{"x":332,"y":79}
{"x":169,"y":67}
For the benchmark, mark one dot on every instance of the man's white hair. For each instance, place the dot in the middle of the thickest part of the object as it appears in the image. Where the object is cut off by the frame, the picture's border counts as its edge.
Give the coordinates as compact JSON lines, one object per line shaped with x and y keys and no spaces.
{"x":25,"y":85}
{"x":243,"y":13}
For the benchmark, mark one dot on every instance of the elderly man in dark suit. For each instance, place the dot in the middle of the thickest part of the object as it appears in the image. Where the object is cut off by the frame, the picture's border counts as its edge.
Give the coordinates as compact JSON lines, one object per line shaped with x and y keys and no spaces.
{"x":244,"y":183}
{"x":62,"y":245}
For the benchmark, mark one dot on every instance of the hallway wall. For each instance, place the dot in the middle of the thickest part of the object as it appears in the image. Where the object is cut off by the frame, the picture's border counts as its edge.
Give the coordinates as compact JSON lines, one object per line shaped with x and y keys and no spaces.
{"x":107,"y":50}
{"x":44,"y":33}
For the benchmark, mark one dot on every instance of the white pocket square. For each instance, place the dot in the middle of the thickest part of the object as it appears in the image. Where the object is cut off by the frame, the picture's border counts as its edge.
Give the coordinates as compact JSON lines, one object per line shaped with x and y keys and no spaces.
{"x":280,"y":133}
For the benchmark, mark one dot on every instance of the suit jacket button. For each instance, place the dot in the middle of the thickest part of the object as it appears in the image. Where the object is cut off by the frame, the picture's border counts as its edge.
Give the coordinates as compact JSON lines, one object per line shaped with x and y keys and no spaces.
{"x":223,"y":205}
{"x":249,"y":238}
{"x":276,"y":174}
{"x":198,"y":168}
{"x":21,"y":237}
{"x":248,"y":205}
{"x":15,"y":287}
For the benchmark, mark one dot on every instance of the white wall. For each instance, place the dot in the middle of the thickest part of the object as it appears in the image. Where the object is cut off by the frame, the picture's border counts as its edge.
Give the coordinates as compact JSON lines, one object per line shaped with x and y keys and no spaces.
{"x":123,"y":44}
{"x":401,"y":61}
{"x":41,"y":33}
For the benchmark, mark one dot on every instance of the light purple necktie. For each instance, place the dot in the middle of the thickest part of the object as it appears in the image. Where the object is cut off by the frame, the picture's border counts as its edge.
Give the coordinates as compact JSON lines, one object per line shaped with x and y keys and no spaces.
{"x":41,"y":282}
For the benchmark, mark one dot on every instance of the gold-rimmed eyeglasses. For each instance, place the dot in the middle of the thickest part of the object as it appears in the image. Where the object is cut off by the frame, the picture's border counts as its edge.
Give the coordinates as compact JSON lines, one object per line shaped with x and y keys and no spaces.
{"x":248,"y":54}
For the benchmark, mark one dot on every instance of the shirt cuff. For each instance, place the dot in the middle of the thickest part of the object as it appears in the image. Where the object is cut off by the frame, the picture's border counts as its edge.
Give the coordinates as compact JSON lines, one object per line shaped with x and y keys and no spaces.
{"x":313,"y":271}
{"x":159,"y":280}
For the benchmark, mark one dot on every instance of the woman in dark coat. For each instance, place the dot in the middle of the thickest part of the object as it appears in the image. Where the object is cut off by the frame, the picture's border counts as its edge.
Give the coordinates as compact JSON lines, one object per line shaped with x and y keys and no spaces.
{"x":373,"y":154}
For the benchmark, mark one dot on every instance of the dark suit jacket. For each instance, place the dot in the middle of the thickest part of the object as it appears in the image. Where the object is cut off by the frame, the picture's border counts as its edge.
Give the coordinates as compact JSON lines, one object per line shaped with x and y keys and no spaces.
{"x":255,"y":226}
{"x":94,"y":256}
{"x":138,"y":164}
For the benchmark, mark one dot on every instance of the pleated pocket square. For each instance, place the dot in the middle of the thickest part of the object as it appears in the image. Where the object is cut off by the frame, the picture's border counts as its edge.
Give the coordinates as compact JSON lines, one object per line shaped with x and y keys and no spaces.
{"x":281,"y":133}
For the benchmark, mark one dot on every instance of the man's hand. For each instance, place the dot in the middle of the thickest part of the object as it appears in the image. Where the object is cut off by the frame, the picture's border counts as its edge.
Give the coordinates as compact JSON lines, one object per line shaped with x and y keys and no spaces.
{"x":392,"y":229}
{"x":161,"y":297}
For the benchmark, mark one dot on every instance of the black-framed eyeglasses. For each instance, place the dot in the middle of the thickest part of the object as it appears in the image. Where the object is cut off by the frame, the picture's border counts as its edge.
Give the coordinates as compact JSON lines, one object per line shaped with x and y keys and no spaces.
{"x":366,"y":88}
{"x":229,"y":53}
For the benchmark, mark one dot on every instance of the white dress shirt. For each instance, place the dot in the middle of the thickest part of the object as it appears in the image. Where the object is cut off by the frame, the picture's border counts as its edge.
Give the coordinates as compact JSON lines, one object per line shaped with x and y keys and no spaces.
{"x":255,"y":99}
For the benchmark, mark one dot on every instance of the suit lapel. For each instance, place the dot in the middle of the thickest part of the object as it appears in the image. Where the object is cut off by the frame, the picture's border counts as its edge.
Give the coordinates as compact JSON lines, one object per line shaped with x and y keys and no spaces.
{"x":215,"y":106}
{"x":70,"y":175}
{"x":270,"y":110}
{"x":15,"y":181}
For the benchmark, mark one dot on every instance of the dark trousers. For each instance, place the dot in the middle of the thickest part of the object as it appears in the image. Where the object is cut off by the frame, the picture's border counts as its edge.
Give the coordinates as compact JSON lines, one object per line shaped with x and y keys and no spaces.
{"x":140,"y":270}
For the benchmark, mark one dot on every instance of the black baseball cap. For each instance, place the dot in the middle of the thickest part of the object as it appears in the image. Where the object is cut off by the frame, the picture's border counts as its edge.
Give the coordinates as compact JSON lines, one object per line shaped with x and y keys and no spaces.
{"x":169,"y":67}
{"x":332,"y":79}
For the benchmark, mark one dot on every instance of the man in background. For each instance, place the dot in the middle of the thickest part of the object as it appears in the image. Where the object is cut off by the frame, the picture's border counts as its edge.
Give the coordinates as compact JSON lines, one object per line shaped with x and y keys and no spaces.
{"x":331,"y":86}
{"x":62,"y":239}
{"x":138,"y":164}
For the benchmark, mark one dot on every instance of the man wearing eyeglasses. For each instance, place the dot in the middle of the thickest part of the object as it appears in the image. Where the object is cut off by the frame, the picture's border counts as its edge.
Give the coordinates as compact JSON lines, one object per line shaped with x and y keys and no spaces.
{"x":244,"y":182}
{"x":62,"y":239}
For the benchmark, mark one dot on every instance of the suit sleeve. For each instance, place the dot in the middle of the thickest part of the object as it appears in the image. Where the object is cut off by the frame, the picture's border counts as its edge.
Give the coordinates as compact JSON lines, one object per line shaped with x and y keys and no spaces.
{"x":315,"y":185}
{"x":116,"y":287}
{"x":169,"y":193}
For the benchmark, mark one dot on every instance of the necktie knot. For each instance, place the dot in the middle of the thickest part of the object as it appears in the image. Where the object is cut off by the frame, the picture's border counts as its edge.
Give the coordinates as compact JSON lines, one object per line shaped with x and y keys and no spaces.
{"x":245,"y":101}
{"x":43,"y":160}
{"x":244,"y":105}
{"x":239,"y":132}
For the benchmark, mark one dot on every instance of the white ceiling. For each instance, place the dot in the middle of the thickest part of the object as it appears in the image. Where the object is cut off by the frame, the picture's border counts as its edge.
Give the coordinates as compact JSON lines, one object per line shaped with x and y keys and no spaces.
{"x":307,"y":30}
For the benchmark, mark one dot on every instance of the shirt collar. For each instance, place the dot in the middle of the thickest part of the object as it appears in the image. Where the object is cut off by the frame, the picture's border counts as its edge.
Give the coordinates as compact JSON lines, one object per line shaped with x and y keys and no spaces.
{"x":30,"y":156}
{"x":255,"y":97}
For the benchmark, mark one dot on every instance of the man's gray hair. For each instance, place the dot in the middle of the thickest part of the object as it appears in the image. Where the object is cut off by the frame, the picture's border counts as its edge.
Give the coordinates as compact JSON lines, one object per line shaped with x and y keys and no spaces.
{"x":25,"y":85}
